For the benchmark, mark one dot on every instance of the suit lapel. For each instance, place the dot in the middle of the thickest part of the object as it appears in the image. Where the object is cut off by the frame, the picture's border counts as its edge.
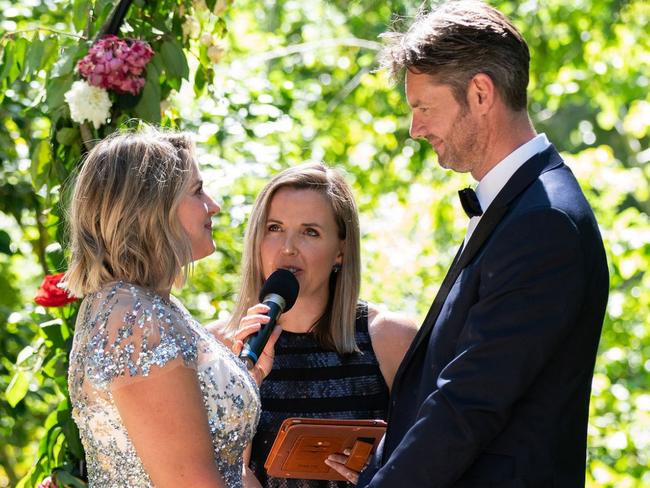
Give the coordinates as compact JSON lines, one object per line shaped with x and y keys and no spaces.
{"x":523,"y":177}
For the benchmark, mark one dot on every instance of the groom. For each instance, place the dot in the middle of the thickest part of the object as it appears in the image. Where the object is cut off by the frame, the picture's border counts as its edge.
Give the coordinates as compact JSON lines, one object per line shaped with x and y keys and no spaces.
{"x":494,"y":391}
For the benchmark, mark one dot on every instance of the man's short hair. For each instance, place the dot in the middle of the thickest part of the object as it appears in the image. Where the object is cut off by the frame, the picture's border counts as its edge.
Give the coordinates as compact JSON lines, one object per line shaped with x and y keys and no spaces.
{"x":458,"y":40}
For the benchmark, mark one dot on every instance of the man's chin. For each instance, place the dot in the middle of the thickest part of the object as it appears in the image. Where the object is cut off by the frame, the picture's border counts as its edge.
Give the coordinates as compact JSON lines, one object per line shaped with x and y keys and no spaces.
{"x":444,"y":163}
{"x":454,"y":166}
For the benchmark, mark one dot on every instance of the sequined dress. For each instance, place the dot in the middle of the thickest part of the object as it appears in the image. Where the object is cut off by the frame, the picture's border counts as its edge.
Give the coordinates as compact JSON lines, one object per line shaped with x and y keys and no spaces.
{"x":124,"y":334}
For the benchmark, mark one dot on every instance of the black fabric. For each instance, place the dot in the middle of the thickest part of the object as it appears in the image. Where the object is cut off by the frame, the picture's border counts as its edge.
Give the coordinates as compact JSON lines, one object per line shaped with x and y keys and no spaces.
{"x":308,"y":381}
{"x":470,"y":203}
{"x":494,"y":389}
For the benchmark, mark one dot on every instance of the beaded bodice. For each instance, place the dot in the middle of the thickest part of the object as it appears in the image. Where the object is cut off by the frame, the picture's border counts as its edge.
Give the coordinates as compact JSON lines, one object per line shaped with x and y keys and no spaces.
{"x":124,"y":334}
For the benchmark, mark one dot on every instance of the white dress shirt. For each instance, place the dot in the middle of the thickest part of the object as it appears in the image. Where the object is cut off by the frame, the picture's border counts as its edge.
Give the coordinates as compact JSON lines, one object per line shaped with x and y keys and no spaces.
{"x":492,"y":183}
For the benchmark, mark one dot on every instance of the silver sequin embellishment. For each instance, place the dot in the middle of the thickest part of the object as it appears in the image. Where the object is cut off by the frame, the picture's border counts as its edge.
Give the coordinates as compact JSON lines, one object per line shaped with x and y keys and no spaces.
{"x":122,"y":332}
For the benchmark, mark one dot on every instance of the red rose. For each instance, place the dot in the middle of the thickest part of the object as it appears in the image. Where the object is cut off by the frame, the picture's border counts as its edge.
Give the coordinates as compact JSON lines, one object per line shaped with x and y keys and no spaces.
{"x":50,"y":294}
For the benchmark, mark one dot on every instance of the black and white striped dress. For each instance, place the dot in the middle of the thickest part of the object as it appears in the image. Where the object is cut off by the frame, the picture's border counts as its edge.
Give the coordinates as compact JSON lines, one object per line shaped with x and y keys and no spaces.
{"x":309,"y":381}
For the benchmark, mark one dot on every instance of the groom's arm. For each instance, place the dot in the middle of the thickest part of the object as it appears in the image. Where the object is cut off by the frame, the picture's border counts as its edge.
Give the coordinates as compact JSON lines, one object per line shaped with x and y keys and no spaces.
{"x":531,"y":287}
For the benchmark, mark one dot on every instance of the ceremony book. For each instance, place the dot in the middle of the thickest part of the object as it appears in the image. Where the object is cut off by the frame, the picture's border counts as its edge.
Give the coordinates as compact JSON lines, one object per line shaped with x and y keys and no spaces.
{"x":303,"y":444}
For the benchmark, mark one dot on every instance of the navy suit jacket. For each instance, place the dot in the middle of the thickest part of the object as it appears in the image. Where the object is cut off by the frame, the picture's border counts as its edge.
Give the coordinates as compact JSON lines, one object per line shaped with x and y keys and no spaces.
{"x":494,"y":390}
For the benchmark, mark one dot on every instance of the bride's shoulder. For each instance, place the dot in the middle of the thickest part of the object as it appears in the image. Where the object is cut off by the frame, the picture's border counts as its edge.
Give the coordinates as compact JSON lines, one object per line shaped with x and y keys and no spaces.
{"x":133,"y":331}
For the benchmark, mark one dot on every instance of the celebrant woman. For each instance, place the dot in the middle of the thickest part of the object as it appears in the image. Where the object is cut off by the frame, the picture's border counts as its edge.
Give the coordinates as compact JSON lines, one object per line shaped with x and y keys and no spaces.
{"x":337,"y":355}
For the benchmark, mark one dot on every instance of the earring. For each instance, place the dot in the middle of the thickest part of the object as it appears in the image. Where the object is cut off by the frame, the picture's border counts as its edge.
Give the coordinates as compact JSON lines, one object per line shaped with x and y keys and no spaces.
{"x":336,"y":268}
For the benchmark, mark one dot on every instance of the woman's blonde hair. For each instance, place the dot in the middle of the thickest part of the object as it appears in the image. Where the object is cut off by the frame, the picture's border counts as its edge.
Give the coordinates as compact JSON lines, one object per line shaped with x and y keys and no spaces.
{"x":123,"y":214}
{"x":336,"y":328}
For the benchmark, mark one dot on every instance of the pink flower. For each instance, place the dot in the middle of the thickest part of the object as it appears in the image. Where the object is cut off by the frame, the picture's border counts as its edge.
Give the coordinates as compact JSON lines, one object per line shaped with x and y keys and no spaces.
{"x":116,"y":64}
{"x":47,"y":483}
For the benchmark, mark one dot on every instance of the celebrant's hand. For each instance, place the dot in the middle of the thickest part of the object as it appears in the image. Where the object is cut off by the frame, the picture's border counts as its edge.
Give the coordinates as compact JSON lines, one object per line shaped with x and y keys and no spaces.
{"x":252,"y":322}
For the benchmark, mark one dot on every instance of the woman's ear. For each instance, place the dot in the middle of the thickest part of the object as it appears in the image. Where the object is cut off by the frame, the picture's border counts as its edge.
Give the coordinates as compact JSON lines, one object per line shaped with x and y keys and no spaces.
{"x":339,"y":256}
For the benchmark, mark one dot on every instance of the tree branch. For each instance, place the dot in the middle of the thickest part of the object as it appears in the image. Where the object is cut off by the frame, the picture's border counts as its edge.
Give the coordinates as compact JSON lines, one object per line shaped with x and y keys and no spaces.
{"x":11,"y":34}
{"x":312,"y":46}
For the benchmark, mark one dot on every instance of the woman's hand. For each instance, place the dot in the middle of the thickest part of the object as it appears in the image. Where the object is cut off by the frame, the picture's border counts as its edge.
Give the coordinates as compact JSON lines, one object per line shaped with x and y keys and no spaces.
{"x":251,"y":323}
{"x":219,"y":329}
{"x":337,"y":463}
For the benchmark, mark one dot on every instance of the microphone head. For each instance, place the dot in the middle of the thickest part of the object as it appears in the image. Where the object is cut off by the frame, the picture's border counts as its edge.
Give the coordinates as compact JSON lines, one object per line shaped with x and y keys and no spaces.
{"x":281,"y":282}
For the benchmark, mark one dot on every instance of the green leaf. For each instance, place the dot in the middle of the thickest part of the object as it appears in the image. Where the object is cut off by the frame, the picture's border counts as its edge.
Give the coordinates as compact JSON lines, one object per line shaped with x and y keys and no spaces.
{"x":157,"y":61}
{"x":56,"y":89}
{"x":55,"y":258}
{"x":18,"y":388}
{"x":65,"y":64}
{"x":148,"y":109}
{"x":200,"y":79}
{"x":52,"y":330}
{"x":34,"y":56}
{"x":67,"y":136}
{"x":41,"y":159}
{"x":50,"y":51}
{"x":221,"y":29}
{"x":80,"y":14}
{"x":64,"y":478}
{"x":70,"y":430}
{"x":174,"y":60}
{"x":25,"y":354}
{"x":7,"y":60}
{"x":20,"y":49}
{"x":5,"y":243}
{"x":55,"y":366}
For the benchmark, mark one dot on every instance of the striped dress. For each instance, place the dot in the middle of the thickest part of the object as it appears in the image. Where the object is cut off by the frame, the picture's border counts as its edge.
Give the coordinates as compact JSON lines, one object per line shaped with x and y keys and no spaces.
{"x":309,"y":381}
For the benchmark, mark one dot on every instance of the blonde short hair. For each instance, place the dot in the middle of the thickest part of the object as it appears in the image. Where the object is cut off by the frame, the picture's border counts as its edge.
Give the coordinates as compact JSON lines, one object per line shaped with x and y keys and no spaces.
{"x":123,"y":214}
{"x":336,"y":328}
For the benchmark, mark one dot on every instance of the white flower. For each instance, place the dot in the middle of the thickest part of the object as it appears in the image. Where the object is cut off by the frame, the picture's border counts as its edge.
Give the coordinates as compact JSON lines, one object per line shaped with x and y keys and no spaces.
{"x":207,"y":39}
{"x":200,"y":5}
{"x":89,"y":103}
{"x":220,"y":7}
{"x":215,"y":53}
{"x":191,"y":27}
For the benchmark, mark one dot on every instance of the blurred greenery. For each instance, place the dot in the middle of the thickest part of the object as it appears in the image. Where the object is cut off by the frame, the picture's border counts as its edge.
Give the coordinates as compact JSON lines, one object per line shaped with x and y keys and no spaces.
{"x":279,"y":82}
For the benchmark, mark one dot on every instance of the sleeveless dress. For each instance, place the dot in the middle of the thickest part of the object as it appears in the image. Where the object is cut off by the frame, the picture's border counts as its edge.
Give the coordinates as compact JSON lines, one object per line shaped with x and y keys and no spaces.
{"x":125,"y":334}
{"x":309,"y":381}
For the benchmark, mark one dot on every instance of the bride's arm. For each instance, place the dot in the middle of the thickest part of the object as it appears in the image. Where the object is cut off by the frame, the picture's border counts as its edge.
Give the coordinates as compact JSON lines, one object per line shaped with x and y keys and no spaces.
{"x":250,"y":481}
{"x":168,"y":425}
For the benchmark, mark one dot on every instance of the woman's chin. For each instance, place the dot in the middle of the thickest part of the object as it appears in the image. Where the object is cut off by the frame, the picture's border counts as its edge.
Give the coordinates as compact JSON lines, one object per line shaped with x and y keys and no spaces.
{"x":204,"y":253}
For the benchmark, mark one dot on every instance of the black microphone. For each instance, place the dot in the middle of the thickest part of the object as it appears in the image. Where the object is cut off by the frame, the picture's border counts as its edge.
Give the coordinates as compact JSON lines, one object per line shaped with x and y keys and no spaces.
{"x":279,"y":293}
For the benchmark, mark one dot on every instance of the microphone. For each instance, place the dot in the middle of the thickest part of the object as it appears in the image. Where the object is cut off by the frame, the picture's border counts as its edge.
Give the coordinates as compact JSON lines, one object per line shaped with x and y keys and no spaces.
{"x":279,"y":293}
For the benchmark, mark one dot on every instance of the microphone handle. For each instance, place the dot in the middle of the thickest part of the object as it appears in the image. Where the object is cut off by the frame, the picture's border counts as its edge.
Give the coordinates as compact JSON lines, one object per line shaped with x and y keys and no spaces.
{"x":255,"y":345}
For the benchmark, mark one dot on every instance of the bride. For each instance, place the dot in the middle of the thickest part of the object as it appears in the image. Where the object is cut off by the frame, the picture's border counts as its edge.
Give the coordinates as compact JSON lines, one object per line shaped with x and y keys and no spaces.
{"x":158,"y":401}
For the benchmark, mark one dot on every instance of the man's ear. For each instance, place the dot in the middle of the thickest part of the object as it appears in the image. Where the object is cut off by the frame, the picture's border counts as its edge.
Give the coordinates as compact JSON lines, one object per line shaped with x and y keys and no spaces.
{"x":481,"y":93}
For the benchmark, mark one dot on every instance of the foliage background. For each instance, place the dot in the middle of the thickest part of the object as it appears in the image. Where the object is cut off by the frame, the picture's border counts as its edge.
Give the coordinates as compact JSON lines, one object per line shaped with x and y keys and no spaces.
{"x":296,"y":82}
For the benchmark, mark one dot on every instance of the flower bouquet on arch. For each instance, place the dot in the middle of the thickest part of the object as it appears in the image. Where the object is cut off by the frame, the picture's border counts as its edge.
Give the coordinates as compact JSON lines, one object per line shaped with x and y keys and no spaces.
{"x":112,"y":64}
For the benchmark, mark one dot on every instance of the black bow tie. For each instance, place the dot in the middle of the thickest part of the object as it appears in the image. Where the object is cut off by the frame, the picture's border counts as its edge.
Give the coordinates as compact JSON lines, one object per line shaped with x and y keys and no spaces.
{"x":470,"y":203}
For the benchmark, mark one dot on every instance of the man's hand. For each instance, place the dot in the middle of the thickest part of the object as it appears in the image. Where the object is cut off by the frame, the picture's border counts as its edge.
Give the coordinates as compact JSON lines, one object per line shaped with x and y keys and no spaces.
{"x":337,"y":463}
